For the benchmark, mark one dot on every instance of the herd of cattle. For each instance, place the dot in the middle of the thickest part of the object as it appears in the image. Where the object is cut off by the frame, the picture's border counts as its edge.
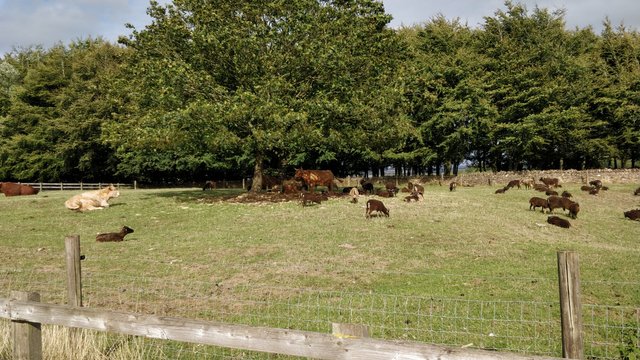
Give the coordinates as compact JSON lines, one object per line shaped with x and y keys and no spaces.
{"x":305,"y":182}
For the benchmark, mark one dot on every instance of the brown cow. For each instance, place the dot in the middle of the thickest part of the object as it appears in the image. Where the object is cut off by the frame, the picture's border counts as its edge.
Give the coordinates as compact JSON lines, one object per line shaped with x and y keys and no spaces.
{"x":313,"y":178}
{"x":375,"y":205}
{"x":558,"y":221}
{"x":115,"y":236}
{"x":15,"y":189}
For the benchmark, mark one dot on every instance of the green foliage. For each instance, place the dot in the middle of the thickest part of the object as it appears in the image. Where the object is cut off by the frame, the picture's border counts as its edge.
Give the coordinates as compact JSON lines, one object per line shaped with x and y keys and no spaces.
{"x":230,"y":88}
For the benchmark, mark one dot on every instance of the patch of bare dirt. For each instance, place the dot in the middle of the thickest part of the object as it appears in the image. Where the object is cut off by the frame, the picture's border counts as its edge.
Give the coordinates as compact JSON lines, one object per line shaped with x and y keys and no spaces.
{"x":266,"y":197}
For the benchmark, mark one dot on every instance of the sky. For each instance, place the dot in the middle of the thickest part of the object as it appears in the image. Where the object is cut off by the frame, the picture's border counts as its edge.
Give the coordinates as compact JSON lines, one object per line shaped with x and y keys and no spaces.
{"x":24,"y":23}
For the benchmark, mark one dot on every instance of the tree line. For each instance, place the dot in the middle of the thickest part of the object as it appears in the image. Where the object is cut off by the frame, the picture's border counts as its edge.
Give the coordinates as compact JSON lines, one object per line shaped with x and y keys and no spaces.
{"x":229,"y":88}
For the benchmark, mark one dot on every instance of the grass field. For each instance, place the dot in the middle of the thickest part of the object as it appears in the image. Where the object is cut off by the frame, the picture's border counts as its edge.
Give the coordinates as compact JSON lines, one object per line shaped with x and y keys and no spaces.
{"x":461,"y":267}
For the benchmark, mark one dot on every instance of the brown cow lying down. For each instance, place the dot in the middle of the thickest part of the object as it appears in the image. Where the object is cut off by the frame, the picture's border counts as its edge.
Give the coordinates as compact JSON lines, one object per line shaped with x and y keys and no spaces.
{"x":534,"y":202}
{"x":558,"y":221}
{"x":375,"y":205}
{"x":632,"y":214}
{"x":115,"y":236}
{"x":308,"y":198}
{"x":92,"y":200}
{"x":14,"y":189}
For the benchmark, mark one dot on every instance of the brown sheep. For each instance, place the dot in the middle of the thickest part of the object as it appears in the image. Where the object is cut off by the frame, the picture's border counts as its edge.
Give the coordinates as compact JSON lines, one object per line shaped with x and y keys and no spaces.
{"x":413,"y":196}
{"x":594,"y":191}
{"x":502,"y":191}
{"x":308,"y":198}
{"x":551,"y":182}
{"x":586,"y":188}
{"x":555,"y":202}
{"x":551,"y":193}
{"x":637,"y":192}
{"x":557,"y":221}
{"x":375,"y":205}
{"x":540,"y":187}
{"x":114,"y":236}
{"x":354,"y":193}
{"x":453,"y":185}
{"x":574,"y":209}
{"x":384,"y":193}
{"x":595,"y":183}
{"x":632,"y":214}
{"x":527,"y":183}
{"x":534,"y":202}
{"x":514,"y":183}
{"x":566,"y":194}
{"x":391,"y":188}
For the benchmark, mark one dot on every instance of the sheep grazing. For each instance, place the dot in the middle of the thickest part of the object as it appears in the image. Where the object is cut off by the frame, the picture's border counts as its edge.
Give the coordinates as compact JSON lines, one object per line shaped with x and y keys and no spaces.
{"x":502,"y":191}
{"x":551,"y":193}
{"x":527,"y":183}
{"x":555,"y":202}
{"x":535,"y":202}
{"x":354,"y":194}
{"x":637,"y":192}
{"x":453,"y":185}
{"x":308,"y":198}
{"x":514,"y":183}
{"x":551,"y":182}
{"x":375,"y":205}
{"x":632,"y":214}
{"x":574,"y":209}
{"x":557,"y":221}
{"x":595,"y":183}
{"x":540,"y":187}
{"x":414,"y":196}
{"x":114,"y":236}
{"x":566,"y":194}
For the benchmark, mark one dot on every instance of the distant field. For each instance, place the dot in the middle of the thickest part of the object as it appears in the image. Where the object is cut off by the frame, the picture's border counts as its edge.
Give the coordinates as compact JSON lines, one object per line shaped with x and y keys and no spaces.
{"x":193,"y":254}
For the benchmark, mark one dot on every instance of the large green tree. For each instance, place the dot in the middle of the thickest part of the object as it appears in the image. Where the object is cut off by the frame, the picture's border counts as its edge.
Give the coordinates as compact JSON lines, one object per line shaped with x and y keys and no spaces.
{"x":246,"y":83}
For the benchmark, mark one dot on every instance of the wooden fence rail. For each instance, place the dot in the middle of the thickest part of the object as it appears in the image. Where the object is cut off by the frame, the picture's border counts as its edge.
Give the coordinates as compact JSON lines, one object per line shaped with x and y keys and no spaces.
{"x":253,"y":338}
{"x":78,"y":186}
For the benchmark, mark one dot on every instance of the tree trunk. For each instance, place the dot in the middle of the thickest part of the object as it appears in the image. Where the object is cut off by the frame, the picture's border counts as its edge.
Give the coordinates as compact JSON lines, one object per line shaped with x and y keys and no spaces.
{"x":256,"y":183}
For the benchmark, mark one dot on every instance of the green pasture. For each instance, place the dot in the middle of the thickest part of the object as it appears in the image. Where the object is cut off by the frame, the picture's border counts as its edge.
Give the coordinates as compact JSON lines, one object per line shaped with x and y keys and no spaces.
{"x":474,"y":256}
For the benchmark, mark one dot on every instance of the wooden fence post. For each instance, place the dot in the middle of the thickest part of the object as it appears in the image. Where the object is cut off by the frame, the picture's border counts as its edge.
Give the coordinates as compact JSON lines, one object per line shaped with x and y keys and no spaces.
{"x":27,"y":336}
{"x":570,"y":305}
{"x":74,"y":273}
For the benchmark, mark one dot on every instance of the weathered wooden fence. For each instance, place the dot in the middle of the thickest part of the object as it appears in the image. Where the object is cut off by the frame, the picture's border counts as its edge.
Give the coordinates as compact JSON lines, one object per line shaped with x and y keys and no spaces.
{"x":78,"y":186}
{"x":347,"y":341}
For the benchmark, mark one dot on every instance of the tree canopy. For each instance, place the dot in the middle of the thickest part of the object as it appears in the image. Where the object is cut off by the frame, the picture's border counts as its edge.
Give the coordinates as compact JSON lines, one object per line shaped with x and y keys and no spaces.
{"x":241,"y":88}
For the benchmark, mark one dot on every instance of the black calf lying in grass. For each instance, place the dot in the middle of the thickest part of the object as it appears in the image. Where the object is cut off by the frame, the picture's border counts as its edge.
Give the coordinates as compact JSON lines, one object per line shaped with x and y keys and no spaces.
{"x":115,"y":236}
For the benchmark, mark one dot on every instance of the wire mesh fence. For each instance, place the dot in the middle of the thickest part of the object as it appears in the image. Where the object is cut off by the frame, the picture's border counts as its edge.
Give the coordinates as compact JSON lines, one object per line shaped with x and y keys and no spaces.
{"x":529,"y":327}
